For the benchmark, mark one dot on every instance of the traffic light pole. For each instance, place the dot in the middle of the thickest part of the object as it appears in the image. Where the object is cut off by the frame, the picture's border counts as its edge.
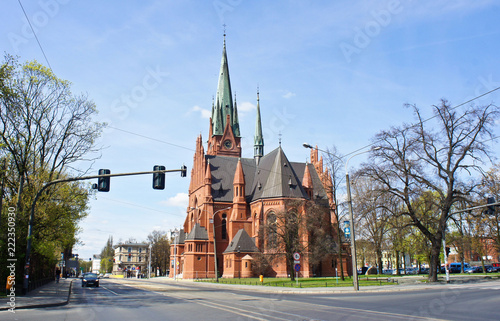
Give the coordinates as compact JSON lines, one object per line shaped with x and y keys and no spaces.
{"x":65,"y":180}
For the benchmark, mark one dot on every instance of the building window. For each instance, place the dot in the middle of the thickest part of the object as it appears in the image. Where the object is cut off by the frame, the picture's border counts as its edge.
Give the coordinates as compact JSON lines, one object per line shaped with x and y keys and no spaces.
{"x":140,"y":258}
{"x":129,"y":259}
{"x":272,"y":230}
{"x":129,"y":249}
{"x":224,"y":227}
{"x":140,"y":250}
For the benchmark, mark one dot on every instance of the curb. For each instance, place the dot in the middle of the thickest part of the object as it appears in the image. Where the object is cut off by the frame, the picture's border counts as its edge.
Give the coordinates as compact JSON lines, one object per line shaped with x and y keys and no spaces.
{"x":44,"y":305}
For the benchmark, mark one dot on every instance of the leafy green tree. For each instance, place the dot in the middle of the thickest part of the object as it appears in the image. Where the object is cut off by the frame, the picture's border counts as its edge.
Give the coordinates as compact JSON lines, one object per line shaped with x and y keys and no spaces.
{"x":107,"y":255}
{"x":44,"y":130}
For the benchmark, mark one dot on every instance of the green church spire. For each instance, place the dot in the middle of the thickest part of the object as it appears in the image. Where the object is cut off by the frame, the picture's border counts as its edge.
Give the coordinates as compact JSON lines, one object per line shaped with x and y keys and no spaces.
{"x":236,"y":124}
{"x":259,"y":138}
{"x":224,"y":101}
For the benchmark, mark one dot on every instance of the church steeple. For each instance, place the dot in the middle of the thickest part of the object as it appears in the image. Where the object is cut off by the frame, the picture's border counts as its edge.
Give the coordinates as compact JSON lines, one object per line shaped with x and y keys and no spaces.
{"x":225,"y":136}
{"x":259,"y":138}
{"x":224,"y":101}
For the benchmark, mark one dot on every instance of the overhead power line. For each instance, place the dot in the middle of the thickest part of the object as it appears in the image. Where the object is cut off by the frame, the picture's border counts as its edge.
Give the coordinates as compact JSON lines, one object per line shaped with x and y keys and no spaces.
{"x":430,"y":118}
{"x":34,"y":33}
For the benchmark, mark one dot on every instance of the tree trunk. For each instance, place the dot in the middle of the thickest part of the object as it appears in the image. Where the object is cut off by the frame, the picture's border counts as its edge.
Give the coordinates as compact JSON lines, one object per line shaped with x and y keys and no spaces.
{"x":379,"y":260}
{"x":397,"y":263}
{"x":434,"y":261}
{"x":339,"y":242}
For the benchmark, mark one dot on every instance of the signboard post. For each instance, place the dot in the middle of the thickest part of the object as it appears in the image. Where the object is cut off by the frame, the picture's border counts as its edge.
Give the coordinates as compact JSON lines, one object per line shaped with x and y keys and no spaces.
{"x":296,"y":261}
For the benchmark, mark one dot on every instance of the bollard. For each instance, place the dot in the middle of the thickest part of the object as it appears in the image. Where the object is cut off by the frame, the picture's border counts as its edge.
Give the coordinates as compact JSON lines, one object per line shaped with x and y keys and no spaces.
{"x":261,"y":277}
{"x":10,"y":283}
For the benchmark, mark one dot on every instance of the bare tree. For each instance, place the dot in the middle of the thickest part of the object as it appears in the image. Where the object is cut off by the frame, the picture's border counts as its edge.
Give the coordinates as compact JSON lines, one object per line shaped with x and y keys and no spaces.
{"x":160,"y":251}
{"x":334,"y":159}
{"x":433,"y":157}
{"x":301,"y":226}
{"x":373,"y":215}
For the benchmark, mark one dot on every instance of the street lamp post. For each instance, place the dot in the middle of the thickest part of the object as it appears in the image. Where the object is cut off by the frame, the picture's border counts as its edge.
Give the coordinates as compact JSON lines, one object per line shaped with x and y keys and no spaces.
{"x":215,"y":243}
{"x":351,"y":216}
{"x":149,"y":262}
{"x":175,"y":253}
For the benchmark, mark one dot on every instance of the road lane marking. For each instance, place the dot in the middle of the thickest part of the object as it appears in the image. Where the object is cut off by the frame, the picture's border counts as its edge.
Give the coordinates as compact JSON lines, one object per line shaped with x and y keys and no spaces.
{"x":109,"y":290}
{"x":323,"y":307}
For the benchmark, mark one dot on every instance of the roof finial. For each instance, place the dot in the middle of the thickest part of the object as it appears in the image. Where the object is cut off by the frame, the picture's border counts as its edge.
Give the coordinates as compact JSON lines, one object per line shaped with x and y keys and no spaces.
{"x":224,"y":25}
{"x":280,"y":137}
{"x":257,"y":92}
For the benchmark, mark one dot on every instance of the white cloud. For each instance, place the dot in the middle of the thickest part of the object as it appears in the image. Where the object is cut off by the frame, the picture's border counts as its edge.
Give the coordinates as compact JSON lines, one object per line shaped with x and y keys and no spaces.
{"x":179,"y":200}
{"x":205,"y":113}
{"x":246,"y":107}
{"x":288,"y":95}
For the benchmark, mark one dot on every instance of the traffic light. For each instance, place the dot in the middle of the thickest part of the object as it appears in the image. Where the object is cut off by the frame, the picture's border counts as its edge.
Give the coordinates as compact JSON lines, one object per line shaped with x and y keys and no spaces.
{"x":183,"y":171}
{"x":159,"y":178}
{"x":447,"y":249}
{"x":103,"y":183}
{"x":491,"y":209}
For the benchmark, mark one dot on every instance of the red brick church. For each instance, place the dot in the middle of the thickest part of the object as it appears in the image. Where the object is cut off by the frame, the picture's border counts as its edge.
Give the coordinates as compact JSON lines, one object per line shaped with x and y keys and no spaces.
{"x":236,"y":196}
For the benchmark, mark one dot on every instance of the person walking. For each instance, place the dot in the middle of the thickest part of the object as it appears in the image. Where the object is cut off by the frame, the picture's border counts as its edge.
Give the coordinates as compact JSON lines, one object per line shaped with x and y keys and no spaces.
{"x":58,"y":275}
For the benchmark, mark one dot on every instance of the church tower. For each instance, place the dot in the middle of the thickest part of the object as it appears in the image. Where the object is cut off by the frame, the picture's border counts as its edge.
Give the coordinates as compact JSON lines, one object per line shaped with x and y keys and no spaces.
{"x":224,"y":137}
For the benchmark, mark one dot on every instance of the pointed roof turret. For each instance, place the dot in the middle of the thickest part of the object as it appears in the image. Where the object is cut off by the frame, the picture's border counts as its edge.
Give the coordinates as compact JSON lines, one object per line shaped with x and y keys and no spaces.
{"x":259,"y":138}
{"x":218,"y":127}
{"x":307,"y":180}
{"x":236,"y":123}
{"x":224,"y":97}
{"x":239,"y":175}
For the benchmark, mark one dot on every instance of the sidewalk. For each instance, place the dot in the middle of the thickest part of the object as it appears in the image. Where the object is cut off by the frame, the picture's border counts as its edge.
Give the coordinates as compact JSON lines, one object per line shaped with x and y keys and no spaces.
{"x":48,"y":295}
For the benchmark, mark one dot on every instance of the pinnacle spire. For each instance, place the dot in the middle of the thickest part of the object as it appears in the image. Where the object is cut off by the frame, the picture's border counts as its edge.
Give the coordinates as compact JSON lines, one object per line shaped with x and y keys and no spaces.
{"x":259,"y":138}
{"x":224,"y":100}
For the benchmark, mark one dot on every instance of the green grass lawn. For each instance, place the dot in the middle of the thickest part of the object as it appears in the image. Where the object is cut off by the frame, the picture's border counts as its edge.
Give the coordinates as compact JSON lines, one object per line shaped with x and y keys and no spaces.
{"x":308,"y":282}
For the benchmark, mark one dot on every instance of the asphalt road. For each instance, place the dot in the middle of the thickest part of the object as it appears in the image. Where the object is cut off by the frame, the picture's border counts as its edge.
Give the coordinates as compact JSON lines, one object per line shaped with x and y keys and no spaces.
{"x":147,"y":300}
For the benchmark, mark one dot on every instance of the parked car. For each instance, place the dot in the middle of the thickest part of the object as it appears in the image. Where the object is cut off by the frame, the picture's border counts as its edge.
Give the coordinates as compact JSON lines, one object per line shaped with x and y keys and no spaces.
{"x":468,"y":269}
{"x":107,"y":275}
{"x":401,"y":271}
{"x":90,"y":279}
{"x":490,"y":268}
{"x":387,"y":271}
{"x":411,"y":271}
{"x":475,"y":269}
{"x":424,"y":271}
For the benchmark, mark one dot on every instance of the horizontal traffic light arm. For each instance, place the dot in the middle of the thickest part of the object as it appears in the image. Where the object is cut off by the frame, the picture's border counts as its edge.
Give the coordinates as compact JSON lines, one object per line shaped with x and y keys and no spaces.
{"x":475,"y":208}
{"x":73,"y":179}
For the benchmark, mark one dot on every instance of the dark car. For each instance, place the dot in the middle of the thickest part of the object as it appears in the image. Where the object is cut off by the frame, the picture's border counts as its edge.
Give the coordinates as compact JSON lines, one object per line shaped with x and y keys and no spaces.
{"x":490,"y":268}
{"x":90,"y":279}
{"x":475,"y":269}
{"x":424,"y":271}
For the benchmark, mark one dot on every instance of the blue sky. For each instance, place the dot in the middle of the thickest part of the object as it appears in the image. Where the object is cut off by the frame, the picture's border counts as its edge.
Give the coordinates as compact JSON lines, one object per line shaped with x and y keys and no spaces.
{"x":329,"y":73}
